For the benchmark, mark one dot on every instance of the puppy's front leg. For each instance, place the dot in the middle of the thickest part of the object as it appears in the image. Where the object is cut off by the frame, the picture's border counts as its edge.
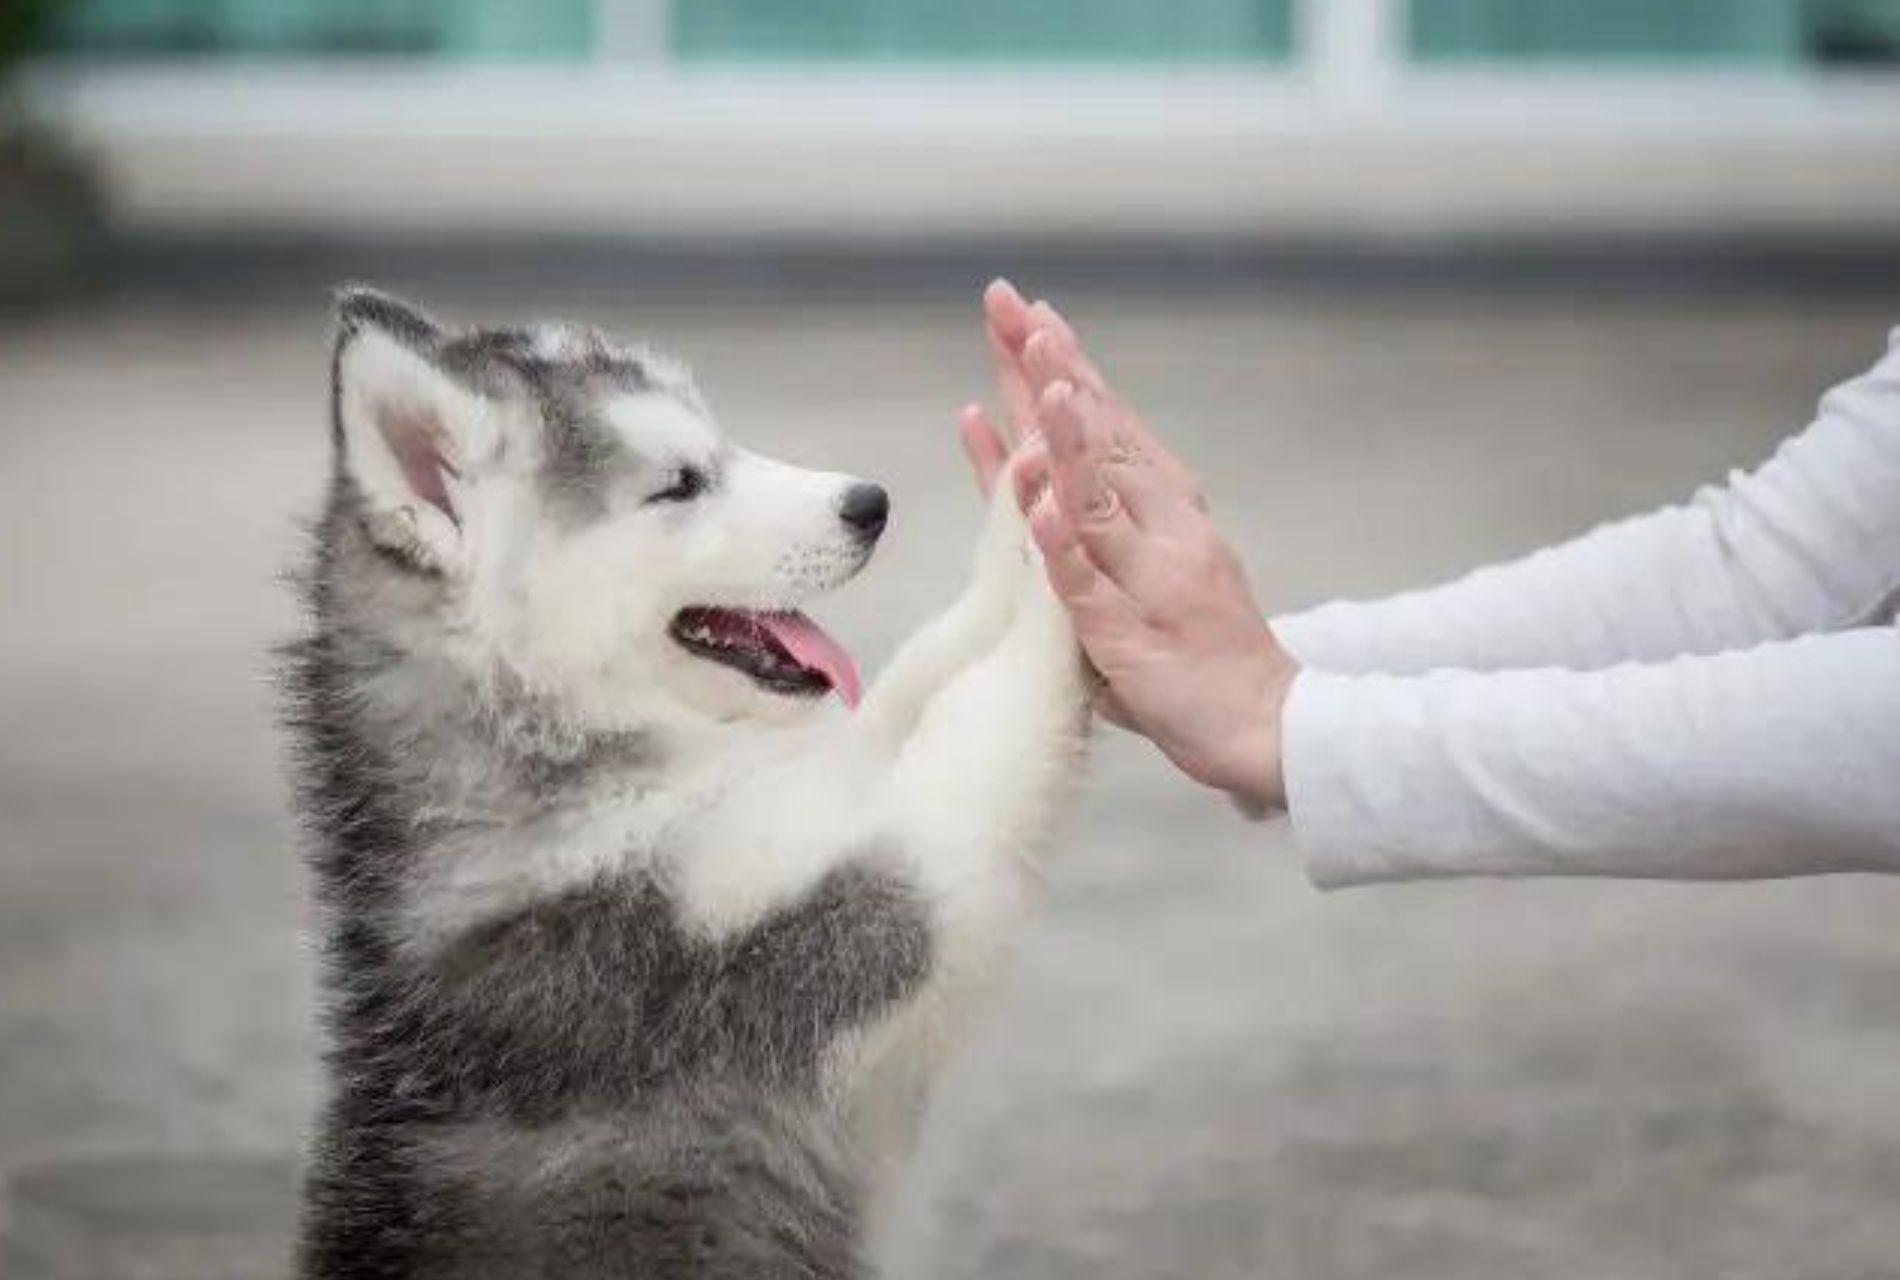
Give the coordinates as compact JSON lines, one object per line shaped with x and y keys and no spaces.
{"x":952,"y":640}
{"x":976,"y":786}
{"x":970,"y":803}
{"x":975,"y":789}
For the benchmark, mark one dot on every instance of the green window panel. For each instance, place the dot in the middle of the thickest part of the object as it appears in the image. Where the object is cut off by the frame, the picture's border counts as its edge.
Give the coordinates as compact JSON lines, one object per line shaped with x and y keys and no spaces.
{"x":551,"y":30}
{"x":467,"y":29}
{"x":1735,"y":32}
{"x":1853,"y":32}
{"x":983,"y":31}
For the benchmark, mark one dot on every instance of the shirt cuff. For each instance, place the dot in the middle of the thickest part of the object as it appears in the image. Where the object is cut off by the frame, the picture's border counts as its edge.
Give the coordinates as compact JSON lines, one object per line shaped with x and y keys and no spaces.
{"x":1316,"y":780}
{"x":1356,"y":752}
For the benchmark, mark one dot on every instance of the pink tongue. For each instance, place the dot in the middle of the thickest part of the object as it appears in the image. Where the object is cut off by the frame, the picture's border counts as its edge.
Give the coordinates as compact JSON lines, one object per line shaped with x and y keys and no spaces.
{"x":807,"y":642}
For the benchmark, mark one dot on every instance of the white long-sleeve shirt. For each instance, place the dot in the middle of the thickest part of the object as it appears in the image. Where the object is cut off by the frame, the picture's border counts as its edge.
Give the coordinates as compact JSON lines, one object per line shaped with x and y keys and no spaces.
{"x":1709,"y":691}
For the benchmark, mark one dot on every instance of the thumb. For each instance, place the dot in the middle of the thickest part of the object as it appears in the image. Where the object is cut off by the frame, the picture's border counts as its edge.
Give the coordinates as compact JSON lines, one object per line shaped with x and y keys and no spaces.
{"x":982,"y":445}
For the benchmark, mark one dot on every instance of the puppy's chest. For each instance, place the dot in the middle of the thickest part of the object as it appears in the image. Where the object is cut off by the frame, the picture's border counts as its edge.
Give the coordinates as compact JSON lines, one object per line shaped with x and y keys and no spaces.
{"x":473,"y":879}
{"x":732,"y":851}
{"x":605,"y":997}
{"x":638,"y":942}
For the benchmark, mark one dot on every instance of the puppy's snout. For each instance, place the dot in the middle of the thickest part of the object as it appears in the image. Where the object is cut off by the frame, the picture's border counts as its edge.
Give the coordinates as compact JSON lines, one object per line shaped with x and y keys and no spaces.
{"x":866,"y":508}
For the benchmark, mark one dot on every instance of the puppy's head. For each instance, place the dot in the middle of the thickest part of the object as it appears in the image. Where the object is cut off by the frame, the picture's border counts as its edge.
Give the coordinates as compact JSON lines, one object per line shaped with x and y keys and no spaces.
{"x":569,"y":511}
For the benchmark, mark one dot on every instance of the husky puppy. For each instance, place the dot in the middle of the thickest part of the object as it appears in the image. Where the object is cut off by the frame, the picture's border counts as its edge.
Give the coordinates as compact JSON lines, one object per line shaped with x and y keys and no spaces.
{"x":641,"y":948}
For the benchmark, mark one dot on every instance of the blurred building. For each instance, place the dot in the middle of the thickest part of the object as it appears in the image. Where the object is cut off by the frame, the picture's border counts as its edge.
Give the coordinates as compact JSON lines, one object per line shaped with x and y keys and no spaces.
{"x":840,"y":119}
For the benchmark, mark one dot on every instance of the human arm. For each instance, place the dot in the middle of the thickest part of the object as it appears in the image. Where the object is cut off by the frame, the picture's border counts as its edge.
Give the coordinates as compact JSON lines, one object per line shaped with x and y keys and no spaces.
{"x":1783,"y":759}
{"x":1778,"y":760}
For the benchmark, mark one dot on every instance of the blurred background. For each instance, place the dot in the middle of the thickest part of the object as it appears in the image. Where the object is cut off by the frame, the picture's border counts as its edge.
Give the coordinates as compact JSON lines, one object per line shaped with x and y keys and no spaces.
{"x":1416,"y":283}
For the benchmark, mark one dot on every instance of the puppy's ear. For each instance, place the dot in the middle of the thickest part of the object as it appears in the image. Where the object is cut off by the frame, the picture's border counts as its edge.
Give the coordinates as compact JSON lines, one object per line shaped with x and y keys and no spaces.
{"x":407,"y":430}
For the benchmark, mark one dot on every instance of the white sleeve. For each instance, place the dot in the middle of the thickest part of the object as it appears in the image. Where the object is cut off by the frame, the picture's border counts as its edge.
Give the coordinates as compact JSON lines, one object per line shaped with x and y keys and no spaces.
{"x":1778,"y":760}
{"x":1808,"y":542}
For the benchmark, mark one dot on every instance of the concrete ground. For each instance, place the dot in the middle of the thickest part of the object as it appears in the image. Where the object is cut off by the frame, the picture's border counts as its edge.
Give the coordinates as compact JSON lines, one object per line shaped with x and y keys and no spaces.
{"x":1203,"y":1067}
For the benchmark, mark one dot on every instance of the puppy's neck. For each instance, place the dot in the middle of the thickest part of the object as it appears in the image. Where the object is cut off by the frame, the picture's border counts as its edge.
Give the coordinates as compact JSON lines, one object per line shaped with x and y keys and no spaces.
{"x":387,"y":706}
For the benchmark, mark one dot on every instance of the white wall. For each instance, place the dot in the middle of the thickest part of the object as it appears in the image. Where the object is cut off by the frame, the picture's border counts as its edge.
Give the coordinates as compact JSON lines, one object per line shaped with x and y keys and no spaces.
{"x":1349,"y":142}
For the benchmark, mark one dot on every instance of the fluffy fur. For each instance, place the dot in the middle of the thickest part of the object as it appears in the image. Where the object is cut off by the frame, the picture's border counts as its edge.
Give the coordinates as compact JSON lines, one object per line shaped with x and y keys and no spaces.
{"x":637,"y":966}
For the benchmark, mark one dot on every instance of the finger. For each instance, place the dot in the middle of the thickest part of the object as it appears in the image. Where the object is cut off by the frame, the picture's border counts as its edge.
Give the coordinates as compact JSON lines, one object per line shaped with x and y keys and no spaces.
{"x":1085,"y":495}
{"x":1156,"y":486}
{"x":1012,"y":383}
{"x":1139,"y":442}
{"x":1153,"y":495}
{"x":982,"y":446}
{"x":1052,"y":351}
{"x":1029,"y":472}
{"x":1081,"y":491}
{"x":1044,"y":360}
{"x":1068,"y":345}
{"x":1060,"y":355}
{"x":1072,"y":575}
{"x":1006,"y":327}
{"x":1008,"y":312}
{"x":1105,"y":618}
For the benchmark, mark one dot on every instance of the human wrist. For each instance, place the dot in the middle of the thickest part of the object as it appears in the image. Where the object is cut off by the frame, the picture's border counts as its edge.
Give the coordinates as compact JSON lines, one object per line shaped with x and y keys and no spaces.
{"x":1249,"y":764}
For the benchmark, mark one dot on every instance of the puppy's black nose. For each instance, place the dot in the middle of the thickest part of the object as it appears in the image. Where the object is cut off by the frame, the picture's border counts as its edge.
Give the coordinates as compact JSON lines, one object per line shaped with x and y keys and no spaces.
{"x":865,"y":508}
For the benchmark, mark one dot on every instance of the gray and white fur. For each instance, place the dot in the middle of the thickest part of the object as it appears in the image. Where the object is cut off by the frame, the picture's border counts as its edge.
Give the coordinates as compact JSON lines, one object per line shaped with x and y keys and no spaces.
{"x":640,"y":956}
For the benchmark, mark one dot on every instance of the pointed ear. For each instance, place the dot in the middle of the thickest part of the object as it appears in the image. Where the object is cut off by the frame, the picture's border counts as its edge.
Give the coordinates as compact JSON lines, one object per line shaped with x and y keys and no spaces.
{"x":406,"y":429}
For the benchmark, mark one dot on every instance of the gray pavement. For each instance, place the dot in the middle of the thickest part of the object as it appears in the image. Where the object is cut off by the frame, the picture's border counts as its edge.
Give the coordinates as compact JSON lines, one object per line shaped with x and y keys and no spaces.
{"x":1203,"y":1067}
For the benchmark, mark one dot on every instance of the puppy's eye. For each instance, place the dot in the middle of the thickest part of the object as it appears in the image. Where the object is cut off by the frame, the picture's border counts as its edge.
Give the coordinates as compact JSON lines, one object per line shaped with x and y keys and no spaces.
{"x":687,"y":484}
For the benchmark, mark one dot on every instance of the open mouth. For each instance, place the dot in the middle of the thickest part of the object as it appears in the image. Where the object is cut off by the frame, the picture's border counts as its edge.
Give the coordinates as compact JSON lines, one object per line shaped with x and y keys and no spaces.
{"x":780,"y":650}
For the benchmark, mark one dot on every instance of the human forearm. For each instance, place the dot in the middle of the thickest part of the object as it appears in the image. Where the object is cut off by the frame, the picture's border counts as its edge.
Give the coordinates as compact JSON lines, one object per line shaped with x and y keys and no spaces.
{"x":1780,"y":760}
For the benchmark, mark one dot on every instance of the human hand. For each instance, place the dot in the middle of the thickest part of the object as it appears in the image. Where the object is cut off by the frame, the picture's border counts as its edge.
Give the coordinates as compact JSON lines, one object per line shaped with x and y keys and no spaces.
{"x":1160,"y":602}
{"x":1007,"y":323}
